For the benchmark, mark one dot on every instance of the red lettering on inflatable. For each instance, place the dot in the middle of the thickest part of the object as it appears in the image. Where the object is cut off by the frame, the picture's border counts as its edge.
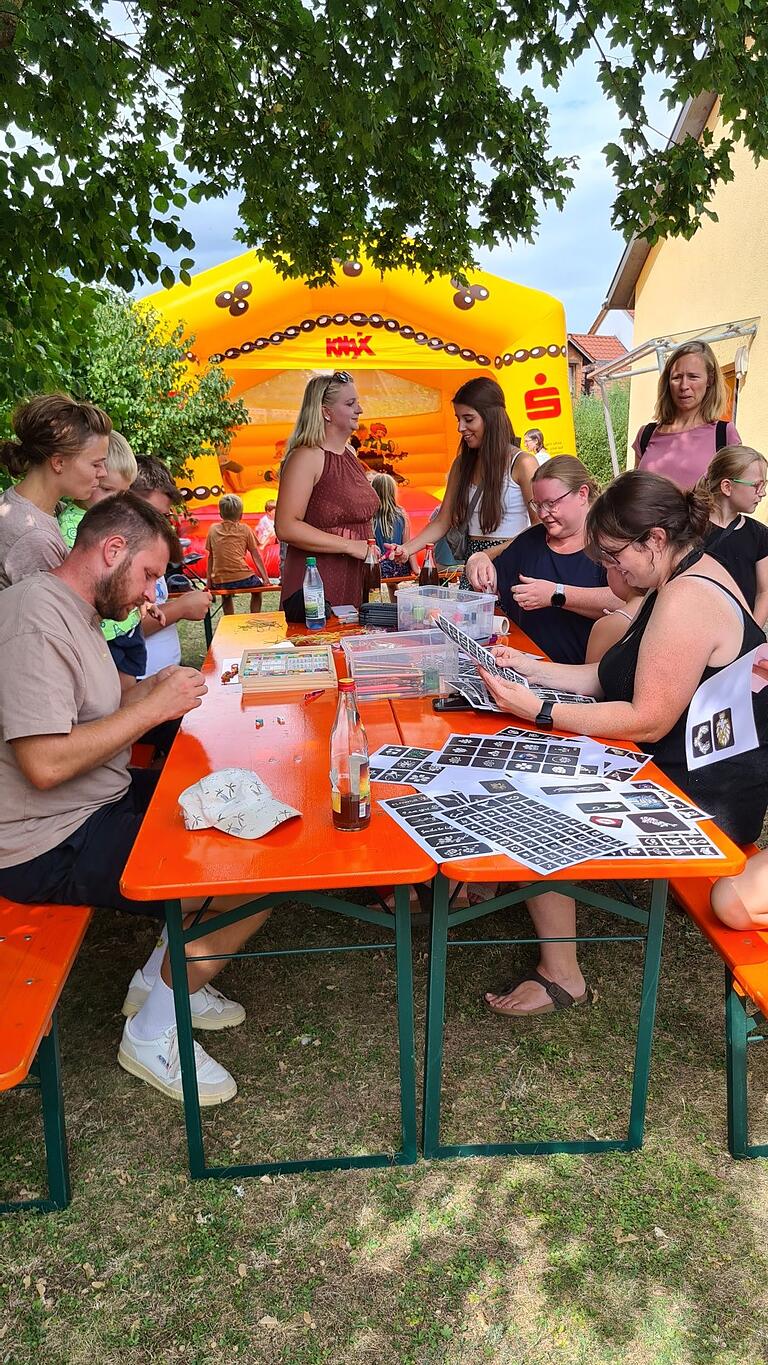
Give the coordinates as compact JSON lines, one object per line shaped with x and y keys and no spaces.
{"x":542,"y":403}
{"x":348,"y":346}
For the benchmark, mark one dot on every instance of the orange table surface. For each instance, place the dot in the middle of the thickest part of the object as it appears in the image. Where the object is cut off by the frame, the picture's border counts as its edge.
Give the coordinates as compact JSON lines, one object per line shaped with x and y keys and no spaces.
{"x":293,"y":759}
{"x":420,"y":726}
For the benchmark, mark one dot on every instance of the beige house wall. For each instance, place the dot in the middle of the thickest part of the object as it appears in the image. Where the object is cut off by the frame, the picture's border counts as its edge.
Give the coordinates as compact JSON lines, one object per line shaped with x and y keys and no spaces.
{"x":719,"y":276}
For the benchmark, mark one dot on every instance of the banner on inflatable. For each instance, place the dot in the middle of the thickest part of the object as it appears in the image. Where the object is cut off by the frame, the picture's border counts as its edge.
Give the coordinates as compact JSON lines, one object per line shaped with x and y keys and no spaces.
{"x":410,"y":343}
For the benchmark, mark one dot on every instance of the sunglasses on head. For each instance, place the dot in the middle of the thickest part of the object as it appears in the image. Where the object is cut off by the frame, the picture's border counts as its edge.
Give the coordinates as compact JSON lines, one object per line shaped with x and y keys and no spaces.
{"x":338,"y":377}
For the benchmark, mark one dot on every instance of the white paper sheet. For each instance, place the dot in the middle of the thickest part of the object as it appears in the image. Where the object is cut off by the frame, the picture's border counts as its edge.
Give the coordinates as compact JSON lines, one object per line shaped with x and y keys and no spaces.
{"x":721,"y":718}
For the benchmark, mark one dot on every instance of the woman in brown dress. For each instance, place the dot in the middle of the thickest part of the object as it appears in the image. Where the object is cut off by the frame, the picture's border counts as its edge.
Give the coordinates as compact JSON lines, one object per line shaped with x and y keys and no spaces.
{"x":325,"y":504}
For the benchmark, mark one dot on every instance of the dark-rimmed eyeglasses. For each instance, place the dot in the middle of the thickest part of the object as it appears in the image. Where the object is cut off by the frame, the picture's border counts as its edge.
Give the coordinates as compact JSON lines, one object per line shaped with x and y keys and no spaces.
{"x":612,"y":556}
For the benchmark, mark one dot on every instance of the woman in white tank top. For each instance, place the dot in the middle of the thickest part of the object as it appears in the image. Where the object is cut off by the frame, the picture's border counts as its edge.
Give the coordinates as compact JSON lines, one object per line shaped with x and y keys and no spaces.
{"x":489,"y":483}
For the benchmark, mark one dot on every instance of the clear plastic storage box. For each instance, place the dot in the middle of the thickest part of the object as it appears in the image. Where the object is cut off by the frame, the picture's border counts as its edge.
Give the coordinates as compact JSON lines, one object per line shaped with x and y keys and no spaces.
{"x":472,"y":612}
{"x":407,"y":664}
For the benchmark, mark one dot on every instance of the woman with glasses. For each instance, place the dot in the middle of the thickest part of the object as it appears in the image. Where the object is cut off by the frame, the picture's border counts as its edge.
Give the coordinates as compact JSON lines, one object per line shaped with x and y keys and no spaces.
{"x":686,"y":432}
{"x":489,"y":483}
{"x":693,"y":622}
{"x":546,"y":582}
{"x":736,"y":482}
{"x":325,"y":504}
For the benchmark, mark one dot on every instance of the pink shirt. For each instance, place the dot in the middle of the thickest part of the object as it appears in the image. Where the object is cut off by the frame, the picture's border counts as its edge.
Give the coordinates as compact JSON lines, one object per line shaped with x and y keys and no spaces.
{"x":683,"y":456}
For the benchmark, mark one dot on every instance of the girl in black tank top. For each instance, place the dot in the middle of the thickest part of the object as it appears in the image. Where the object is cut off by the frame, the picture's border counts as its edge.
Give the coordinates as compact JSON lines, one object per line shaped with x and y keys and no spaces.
{"x":734,"y":791}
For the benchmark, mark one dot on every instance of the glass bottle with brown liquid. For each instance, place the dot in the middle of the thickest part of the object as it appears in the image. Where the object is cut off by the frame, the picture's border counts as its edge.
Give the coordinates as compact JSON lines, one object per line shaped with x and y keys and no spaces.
{"x":350,"y":781}
{"x":429,"y":576}
{"x":372,"y":591}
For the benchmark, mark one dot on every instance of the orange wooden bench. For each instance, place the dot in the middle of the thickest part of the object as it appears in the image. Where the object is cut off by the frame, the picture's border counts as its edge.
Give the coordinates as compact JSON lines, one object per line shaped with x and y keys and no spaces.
{"x":38,"y":945}
{"x":745,"y":954}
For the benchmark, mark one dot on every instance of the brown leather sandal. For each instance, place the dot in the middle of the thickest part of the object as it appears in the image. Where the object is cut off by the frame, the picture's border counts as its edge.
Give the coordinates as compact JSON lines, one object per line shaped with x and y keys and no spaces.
{"x":560,"y":998}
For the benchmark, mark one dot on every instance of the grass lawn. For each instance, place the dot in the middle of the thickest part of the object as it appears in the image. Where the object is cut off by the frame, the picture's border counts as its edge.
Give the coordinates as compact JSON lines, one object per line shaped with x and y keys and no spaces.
{"x":658,"y":1258}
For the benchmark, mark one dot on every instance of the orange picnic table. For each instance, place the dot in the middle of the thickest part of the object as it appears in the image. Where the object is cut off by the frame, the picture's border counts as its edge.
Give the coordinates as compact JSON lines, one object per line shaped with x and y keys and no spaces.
{"x":302,"y":860}
{"x":419,"y":725}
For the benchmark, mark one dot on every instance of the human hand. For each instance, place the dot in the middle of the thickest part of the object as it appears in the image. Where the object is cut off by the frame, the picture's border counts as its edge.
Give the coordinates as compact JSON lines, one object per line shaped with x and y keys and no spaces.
{"x":196,"y":604}
{"x":177,"y":690}
{"x":533,"y":593}
{"x":357,"y":549}
{"x":511,"y":696}
{"x":399,"y":554}
{"x":481,"y":572}
{"x":152,"y":610}
{"x":514,"y":658}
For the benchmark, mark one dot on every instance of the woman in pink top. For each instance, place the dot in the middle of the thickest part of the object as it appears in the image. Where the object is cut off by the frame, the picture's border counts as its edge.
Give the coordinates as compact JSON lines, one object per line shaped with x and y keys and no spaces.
{"x":686,"y":433}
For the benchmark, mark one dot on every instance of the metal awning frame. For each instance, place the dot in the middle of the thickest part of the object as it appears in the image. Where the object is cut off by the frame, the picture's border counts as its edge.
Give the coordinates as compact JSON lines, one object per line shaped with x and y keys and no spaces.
{"x":624,"y":367}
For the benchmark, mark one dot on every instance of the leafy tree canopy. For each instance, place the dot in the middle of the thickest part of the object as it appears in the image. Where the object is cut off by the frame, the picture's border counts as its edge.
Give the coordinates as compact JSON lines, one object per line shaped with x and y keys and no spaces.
{"x":127,"y":361}
{"x":338,"y":122}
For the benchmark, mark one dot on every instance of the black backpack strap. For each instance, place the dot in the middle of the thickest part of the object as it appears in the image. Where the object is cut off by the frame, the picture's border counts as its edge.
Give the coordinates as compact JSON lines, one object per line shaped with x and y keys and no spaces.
{"x":645,"y":436}
{"x":721,"y":435}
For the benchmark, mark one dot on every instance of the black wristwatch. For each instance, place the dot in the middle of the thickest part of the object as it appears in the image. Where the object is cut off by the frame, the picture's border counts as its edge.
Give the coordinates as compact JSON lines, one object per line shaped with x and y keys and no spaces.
{"x":544,"y":719}
{"x":558,"y":597}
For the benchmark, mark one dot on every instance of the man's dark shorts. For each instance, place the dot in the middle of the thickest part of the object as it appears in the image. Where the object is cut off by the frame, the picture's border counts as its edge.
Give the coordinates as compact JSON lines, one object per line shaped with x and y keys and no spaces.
{"x":130,"y":652}
{"x":86,"y":868}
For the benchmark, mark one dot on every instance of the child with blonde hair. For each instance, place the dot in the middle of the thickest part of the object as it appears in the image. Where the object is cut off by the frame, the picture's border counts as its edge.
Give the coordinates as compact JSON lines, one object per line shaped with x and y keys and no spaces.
{"x":124,"y":638}
{"x":736,"y":483}
{"x":227,"y":544}
{"x":391,"y":525}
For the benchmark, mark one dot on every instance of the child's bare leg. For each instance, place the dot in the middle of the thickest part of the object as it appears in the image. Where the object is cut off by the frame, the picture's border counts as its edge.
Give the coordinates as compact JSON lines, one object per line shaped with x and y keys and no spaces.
{"x":228,"y":604}
{"x":742,"y":902}
{"x":255,"y":601}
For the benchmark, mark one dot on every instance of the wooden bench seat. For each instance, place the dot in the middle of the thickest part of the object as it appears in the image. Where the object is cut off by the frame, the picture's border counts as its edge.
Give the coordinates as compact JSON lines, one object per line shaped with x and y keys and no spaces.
{"x":745,"y":955}
{"x":38,"y":945}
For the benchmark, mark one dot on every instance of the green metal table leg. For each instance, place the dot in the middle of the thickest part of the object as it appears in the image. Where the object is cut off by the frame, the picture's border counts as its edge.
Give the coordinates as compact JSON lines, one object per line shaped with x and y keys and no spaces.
{"x":208,"y":629}
{"x":192,"y":1118}
{"x":49,"y":1072}
{"x":647,"y":1014}
{"x":433,"y":1048}
{"x":736,"y":1070}
{"x":407,"y":1045}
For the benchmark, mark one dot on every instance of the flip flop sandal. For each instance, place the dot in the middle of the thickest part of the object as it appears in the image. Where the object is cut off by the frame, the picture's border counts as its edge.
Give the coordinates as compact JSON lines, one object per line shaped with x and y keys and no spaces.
{"x":560,"y":998}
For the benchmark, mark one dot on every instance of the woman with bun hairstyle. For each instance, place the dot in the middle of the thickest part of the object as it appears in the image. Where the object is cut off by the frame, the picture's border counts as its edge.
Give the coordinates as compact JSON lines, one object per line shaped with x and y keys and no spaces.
{"x":736,"y":482}
{"x":693,"y":622}
{"x":59,"y":452}
{"x":687,"y":429}
{"x":489,"y":482}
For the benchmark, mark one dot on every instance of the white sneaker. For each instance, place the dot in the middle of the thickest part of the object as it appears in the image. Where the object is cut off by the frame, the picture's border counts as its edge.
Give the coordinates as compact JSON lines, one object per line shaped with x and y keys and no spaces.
{"x":157,"y":1062}
{"x":210,"y":1009}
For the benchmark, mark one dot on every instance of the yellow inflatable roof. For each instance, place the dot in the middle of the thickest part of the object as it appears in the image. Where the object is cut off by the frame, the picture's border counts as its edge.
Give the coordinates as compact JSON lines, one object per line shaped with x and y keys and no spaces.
{"x":409,"y":342}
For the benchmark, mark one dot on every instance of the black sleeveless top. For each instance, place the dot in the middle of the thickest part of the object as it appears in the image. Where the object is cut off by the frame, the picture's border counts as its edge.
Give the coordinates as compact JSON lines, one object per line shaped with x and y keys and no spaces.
{"x":734,"y":791}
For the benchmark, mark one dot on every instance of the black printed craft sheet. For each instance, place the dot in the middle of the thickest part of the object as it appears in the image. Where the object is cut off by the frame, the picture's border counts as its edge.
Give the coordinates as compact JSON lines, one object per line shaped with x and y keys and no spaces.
{"x":635,"y":811}
{"x":511,"y":823}
{"x":403,"y":765}
{"x":478,"y":652}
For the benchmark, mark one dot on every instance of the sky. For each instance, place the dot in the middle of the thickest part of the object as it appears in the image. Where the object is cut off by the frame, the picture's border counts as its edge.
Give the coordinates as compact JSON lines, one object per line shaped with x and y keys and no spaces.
{"x":576,"y":251}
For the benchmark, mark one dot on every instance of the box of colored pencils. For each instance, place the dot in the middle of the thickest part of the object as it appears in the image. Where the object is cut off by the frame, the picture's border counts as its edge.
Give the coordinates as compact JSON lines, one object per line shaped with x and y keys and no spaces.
{"x":409,"y":664}
{"x":267,"y":670}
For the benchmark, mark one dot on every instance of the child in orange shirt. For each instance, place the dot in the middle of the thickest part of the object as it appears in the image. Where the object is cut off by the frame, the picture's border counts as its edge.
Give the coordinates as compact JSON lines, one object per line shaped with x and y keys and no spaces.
{"x":227,"y":544}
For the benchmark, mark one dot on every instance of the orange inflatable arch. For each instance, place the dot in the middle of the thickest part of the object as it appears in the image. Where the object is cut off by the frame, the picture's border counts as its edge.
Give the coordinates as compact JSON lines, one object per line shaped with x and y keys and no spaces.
{"x":408,"y":341}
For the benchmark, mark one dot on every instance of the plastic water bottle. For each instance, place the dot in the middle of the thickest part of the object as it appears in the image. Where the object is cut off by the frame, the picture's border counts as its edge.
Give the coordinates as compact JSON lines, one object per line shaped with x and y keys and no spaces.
{"x":314,"y":596}
{"x":350,"y":780}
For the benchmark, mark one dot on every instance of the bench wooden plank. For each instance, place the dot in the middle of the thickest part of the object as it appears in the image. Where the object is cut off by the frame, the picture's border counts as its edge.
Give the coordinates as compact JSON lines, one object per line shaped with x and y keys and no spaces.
{"x":38,"y":945}
{"x":744,"y":951}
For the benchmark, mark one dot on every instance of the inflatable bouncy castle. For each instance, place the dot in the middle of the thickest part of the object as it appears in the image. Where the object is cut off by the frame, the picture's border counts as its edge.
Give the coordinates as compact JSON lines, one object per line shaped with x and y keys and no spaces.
{"x":408,"y":341}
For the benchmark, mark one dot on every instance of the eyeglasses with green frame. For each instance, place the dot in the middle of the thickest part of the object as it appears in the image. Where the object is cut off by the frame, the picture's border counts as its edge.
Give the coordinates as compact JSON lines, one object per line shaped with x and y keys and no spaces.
{"x":759,"y":487}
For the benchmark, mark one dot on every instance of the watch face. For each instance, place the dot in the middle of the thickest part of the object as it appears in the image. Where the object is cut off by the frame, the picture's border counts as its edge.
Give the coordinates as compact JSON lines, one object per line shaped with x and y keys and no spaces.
{"x":558,"y":599}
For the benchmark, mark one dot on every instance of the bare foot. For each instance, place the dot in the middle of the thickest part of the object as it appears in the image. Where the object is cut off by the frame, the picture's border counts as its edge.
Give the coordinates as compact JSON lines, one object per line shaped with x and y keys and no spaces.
{"x":529,"y":995}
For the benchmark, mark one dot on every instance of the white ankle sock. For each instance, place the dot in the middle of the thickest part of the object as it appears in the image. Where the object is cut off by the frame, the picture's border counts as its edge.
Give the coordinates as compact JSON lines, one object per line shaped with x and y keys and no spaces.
{"x":156,"y":1014}
{"x":154,"y":962}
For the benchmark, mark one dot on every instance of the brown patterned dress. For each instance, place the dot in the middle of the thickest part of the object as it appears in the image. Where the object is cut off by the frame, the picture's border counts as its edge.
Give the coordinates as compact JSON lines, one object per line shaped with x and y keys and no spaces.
{"x":342,"y":503}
